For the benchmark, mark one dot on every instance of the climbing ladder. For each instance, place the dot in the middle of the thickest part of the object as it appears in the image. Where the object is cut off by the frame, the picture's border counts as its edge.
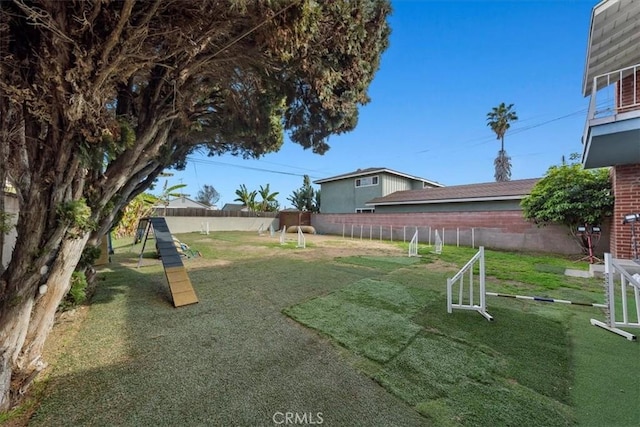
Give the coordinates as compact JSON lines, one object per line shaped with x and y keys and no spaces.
{"x":181,"y":289}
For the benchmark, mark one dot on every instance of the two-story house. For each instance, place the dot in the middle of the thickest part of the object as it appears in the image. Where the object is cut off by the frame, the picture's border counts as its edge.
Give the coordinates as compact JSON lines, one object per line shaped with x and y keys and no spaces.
{"x":350,"y":192}
{"x":612,"y":132}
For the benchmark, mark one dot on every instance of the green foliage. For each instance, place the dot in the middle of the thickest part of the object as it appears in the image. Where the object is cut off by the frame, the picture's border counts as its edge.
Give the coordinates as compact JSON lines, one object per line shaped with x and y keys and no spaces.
{"x":77,"y":293}
{"x":6,"y":220}
{"x":304,"y":198}
{"x":246,"y":197}
{"x":571,"y":196}
{"x":76,"y":215}
{"x":269,"y":203}
{"x":140,"y":207}
{"x":89,"y":256}
{"x":208,"y":195}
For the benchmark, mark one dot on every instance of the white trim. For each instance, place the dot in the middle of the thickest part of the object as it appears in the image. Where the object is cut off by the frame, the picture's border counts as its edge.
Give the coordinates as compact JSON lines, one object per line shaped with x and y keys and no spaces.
{"x":373,"y":172}
{"x":467,"y":199}
{"x":374,"y":177}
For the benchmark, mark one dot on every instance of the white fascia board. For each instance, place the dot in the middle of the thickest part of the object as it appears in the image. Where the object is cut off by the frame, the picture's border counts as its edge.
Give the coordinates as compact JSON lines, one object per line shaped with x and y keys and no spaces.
{"x":468,"y":199}
{"x":373,"y":172}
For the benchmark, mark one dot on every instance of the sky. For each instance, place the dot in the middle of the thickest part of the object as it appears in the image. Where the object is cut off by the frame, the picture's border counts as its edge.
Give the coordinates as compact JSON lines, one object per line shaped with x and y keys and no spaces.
{"x":448,"y":64}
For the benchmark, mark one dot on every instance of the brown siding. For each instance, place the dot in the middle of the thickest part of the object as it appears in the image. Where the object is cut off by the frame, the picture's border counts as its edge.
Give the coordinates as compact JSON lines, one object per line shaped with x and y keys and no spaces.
{"x":626,"y":189}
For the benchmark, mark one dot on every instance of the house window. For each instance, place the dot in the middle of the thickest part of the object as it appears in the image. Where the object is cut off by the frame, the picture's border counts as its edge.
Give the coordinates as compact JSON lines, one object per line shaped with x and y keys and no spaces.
{"x":367,"y":181}
{"x":364,"y":210}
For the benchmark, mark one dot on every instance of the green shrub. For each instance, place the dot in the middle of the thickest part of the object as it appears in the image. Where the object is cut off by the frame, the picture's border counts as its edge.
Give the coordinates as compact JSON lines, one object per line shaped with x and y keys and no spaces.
{"x":78,"y":292}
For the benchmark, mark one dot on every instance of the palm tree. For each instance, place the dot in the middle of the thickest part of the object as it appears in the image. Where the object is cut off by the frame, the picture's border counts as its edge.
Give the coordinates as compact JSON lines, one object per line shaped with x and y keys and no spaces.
{"x":499,"y":119}
{"x":246,"y":197}
{"x":269,"y":201}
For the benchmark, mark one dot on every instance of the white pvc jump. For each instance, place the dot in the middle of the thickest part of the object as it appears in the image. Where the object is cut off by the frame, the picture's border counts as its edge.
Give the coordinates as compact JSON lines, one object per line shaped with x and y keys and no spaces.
{"x":413,"y":245}
{"x":283,"y":235}
{"x":627,"y":283}
{"x":469,"y":302}
{"x":438,"y":248}
{"x":302,"y":242}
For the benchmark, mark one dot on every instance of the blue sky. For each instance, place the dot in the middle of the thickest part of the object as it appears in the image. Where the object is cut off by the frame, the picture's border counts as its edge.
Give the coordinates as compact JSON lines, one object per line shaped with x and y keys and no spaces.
{"x":448,"y":64}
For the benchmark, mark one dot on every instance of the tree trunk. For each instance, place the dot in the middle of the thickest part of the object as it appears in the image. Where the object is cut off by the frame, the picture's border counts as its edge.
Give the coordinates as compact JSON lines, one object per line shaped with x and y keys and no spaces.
{"x":24,"y":332}
{"x":12,"y":335}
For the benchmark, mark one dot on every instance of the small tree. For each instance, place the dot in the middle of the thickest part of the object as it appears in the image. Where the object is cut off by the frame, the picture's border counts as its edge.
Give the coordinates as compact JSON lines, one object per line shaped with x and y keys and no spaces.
{"x":208,"y":195}
{"x":571,"y":196}
{"x":269,"y":203}
{"x":246,"y":197}
{"x":303,"y":198}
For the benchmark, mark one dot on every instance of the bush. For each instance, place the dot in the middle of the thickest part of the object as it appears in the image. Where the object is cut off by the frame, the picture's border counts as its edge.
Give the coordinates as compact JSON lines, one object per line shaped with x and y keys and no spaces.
{"x":78,"y":292}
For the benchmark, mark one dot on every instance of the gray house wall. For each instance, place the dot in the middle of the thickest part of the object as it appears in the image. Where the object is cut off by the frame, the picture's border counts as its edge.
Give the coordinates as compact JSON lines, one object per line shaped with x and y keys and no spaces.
{"x":393,"y":183}
{"x":342,"y":196}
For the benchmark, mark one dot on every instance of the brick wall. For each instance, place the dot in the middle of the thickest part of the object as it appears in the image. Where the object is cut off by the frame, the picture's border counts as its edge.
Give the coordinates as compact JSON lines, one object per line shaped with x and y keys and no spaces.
{"x":499,"y":230}
{"x":626,"y":189}
{"x":630,"y":92}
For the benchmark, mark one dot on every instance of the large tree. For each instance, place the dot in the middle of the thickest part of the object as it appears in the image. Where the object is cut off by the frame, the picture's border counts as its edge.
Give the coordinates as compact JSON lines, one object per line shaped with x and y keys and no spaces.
{"x":97,"y":98}
{"x":499,"y":119}
{"x":208,"y":195}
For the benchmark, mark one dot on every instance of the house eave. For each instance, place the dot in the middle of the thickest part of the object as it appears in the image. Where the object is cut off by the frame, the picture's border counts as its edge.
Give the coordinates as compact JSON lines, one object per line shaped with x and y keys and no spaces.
{"x":376,"y":171}
{"x":614,"y":33}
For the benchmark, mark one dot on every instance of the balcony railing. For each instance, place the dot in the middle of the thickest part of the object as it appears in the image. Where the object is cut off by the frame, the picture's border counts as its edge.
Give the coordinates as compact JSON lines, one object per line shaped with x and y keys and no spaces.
{"x":615,"y":93}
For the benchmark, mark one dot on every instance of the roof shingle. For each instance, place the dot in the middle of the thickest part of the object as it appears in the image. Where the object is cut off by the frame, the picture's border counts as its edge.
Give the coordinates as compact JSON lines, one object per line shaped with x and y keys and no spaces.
{"x":457,"y":193}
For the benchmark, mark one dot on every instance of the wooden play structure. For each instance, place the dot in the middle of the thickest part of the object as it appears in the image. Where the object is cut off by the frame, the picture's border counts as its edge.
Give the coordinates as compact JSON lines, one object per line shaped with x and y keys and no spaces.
{"x":180,"y":285}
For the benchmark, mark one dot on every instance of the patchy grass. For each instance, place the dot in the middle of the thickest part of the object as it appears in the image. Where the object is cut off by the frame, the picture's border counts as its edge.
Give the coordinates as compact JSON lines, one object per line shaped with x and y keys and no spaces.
{"x":453,"y":369}
{"x":381,"y":349}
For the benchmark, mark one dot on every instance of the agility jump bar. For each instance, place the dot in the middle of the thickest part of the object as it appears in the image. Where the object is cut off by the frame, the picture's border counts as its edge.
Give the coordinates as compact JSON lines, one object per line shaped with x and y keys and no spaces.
{"x":545,"y":299}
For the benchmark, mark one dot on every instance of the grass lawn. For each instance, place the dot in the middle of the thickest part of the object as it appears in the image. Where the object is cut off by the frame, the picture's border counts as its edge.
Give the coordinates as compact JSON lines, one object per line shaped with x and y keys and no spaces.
{"x":377,"y":346}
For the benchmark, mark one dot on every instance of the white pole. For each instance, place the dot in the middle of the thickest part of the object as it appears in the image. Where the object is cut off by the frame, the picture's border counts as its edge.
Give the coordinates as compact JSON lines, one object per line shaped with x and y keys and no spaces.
{"x":443,"y":236}
{"x":343,"y":230}
{"x":351,"y":231}
{"x":391,"y":232}
{"x":429,"y":235}
{"x":458,"y":237}
{"x":370,"y":231}
{"x":473,"y":238}
{"x":404,"y":233}
{"x":361,"y":227}
{"x":380,"y":233}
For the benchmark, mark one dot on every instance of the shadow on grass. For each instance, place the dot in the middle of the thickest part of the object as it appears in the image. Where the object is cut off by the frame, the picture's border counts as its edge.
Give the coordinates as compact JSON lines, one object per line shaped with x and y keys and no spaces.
{"x":231,"y":359}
